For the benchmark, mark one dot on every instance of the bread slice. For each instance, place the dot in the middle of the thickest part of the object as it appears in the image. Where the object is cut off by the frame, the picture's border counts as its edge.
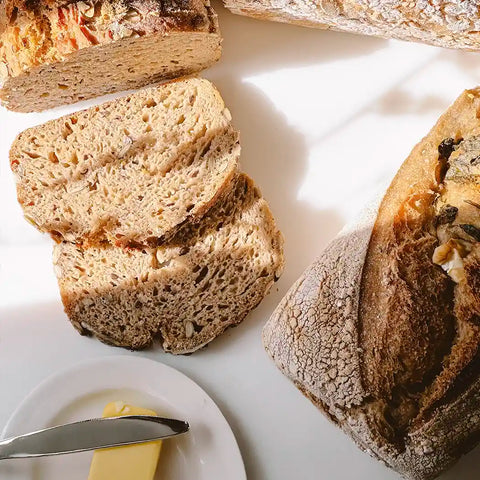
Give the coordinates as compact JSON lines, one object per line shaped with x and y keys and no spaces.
{"x":187,"y":292}
{"x":58,"y":52}
{"x":445,"y":24}
{"x":383,"y":331}
{"x":130,"y":171}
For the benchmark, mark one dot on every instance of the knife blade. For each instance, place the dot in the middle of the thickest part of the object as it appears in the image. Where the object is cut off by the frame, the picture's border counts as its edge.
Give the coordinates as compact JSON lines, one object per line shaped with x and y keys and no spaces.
{"x":91,"y":435}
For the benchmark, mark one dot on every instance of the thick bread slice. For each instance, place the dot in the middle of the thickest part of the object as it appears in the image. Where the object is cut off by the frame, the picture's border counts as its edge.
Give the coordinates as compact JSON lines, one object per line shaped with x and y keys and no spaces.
{"x":58,"y":52}
{"x":382,"y":332}
{"x":130,"y":171}
{"x":187,"y":292}
{"x":452,"y":24}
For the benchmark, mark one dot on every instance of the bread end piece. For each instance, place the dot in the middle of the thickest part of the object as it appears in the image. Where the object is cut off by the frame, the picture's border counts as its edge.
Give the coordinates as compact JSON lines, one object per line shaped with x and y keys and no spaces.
{"x":80,"y":50}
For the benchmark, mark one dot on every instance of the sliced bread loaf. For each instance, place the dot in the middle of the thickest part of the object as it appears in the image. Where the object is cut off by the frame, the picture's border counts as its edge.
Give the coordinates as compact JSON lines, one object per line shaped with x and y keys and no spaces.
{"x":187,"y":292}
{"x":58,"y":51}
{"x":130,"y":171}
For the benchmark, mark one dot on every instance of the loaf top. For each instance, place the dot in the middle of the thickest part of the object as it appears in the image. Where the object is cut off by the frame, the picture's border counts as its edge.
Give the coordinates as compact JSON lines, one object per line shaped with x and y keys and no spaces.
{"x":376,"y":333}
{"x":36,"y":32}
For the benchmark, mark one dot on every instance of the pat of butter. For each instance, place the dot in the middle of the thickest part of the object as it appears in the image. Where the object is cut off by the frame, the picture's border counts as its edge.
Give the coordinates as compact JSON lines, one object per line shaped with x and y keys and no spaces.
{"x":131,"y":462}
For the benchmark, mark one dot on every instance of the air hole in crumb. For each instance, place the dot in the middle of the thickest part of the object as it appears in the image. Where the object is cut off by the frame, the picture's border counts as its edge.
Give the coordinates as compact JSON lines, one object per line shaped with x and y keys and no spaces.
{"x":155,"y":291}
{"x":148,"y":129}
{"x":190,"y":207}
{"x":201,"y":275}
{"x":32,"y":154}
{"x":150,"y":103}
{"x":45,"y":94}
{"x":74,"y":158}
{"x":14,"y":15}
{"x":198,"y":328}
{"x":146,"y":117}
{"x":206,"y":149}
{"x":67,"y":131}
{"x":62,"y":86}
{"x":181,"y":119}
{"x":164,"y":264}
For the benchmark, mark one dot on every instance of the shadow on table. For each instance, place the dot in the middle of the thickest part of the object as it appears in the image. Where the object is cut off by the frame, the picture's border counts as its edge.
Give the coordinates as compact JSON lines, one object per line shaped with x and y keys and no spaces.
{"x":252,"y":46}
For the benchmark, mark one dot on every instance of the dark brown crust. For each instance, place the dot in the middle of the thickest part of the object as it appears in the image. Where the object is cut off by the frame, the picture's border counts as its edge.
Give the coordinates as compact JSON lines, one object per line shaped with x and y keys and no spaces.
{"x":179,"y":14}
{"x":407,"y":329}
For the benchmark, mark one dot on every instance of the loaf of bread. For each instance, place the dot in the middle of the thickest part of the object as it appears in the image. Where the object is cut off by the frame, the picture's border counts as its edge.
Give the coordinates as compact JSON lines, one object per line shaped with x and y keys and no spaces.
{"x":54,"y":52}
{"x":382,"y":332}
{"x":451,"y":24}
{"x":186,"y":292}
{"x":130,"y":171}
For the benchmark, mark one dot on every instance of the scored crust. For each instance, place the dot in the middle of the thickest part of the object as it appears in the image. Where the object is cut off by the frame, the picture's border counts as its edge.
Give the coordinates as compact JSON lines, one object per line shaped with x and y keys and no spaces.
{"x":382,"y":338}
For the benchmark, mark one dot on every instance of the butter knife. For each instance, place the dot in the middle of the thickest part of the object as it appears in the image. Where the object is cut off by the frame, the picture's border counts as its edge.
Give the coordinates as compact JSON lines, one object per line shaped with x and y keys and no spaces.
{"x":91,"y":435}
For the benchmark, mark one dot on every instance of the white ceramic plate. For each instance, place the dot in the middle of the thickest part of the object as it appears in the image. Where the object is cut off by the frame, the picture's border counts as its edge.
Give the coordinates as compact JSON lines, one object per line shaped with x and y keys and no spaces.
{"x":208,"y":451}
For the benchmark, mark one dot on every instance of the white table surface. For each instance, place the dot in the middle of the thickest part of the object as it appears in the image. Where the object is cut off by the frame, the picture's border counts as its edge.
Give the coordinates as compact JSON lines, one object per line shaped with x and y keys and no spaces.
{"x":325,"y":118}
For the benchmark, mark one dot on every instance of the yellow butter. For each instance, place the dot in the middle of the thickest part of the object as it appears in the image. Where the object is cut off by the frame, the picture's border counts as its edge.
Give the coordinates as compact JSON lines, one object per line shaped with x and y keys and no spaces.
{"x":132,"y":462}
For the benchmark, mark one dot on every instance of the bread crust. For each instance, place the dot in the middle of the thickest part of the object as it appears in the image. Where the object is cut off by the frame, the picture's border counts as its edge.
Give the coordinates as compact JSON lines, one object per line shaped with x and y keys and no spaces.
{"x":403,"y":384}
{"x":446,"y":24}
{"x":188,"y":291}
{"x":187,"y":117}
{"x":56,"y":43}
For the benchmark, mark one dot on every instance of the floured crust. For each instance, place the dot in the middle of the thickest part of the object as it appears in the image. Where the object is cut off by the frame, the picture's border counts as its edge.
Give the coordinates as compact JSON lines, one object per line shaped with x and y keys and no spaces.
{"x":396,"y":364}
{"x":451,"y":24}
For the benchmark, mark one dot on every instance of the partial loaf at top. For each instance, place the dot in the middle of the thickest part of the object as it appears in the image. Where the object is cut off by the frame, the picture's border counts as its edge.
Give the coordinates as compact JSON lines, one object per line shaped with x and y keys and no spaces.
{"x":130,"y":171}
{"x":54,"y":52}
{"x":382,"y":332}
{"x":451,"y":24}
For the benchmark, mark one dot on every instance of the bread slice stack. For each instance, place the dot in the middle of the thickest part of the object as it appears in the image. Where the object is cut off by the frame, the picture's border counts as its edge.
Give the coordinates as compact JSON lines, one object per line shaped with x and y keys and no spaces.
{"x":158,"y":234}
{"x":58,"y":52}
